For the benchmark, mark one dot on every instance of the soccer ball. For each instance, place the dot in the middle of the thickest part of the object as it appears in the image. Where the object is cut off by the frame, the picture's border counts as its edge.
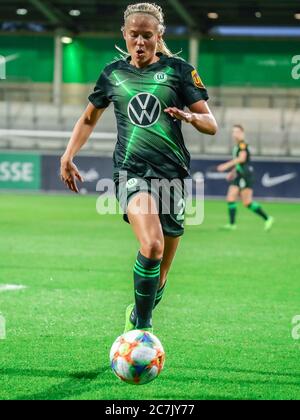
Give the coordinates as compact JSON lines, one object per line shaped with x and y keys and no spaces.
{"x":137,"y":357}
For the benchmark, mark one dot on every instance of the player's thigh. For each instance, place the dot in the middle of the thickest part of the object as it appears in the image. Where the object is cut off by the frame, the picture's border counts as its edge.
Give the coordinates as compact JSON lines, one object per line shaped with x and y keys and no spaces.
{"x":171,"y":245}
{"x":143,"y":217}
{"x":247,"y":196}
{"x":233,"y":193}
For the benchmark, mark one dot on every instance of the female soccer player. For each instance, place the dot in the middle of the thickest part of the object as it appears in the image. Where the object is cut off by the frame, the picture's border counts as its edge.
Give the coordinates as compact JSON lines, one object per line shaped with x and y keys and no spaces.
{"x":149,"y":88}
{"x":241,"y":176}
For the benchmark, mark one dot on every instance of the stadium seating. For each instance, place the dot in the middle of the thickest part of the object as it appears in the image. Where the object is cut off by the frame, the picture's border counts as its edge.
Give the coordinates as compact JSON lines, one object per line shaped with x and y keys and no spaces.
{"x":270,"y":131}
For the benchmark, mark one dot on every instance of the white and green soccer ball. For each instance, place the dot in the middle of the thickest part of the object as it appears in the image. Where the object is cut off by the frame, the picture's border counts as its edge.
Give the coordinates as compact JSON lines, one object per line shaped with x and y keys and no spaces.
{"x":137,"y":357}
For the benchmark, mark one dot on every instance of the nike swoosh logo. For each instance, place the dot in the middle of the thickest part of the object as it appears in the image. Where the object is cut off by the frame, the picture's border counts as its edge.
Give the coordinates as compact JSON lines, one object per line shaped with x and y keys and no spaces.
{"x":10,"y":58}
{"x":268,"y":181}
{"x":121,"y":83}
{"x":141,"y":294}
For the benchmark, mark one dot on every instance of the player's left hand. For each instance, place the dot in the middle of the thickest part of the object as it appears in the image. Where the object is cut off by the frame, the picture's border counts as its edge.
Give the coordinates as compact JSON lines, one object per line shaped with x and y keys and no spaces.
{"x":179,"y":114}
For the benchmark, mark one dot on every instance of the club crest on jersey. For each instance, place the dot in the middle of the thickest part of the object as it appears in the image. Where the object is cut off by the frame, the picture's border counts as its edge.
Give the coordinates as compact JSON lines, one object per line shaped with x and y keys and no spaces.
{"x":131,"y":183}
{"x":160,"y":77}
{"x":144,"y":109}
{"x":197,"y":79}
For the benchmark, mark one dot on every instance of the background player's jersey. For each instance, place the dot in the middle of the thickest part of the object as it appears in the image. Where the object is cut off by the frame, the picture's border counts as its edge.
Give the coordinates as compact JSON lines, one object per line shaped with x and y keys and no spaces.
{"x":242,"y":168}
{"x":150,"y":142}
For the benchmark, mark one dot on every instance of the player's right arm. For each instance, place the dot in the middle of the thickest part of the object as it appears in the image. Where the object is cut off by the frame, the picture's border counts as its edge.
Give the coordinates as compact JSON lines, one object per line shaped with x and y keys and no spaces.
{"x":80,"y":135}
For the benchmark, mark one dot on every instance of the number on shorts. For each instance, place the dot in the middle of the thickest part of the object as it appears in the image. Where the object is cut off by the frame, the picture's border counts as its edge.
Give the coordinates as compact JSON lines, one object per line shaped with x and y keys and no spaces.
{"x":243,"y":183}
{"x":181,"y":204}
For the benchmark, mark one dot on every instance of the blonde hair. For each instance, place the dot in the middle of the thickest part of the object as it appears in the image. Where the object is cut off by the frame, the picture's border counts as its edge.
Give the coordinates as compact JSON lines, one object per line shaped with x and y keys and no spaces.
{"x":155,"y":11}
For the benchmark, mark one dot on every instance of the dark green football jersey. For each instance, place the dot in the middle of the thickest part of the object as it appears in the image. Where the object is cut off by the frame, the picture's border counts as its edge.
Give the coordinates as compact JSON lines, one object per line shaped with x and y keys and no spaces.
{"x":150,"y":142}
{"x":242,"y":168}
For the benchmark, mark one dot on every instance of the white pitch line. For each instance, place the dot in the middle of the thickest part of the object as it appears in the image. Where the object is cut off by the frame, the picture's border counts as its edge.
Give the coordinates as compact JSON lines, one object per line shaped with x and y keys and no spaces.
{"x":11,"y":287}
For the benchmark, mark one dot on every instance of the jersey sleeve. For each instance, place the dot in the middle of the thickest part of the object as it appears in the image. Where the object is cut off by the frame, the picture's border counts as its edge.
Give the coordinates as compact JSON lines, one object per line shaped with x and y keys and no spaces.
{"x":193,"y":89}
{"x":99,"y":97}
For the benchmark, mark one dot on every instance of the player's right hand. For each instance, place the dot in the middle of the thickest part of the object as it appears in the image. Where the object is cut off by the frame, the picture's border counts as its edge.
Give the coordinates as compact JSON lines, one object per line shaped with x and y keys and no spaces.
{"x":68,"y":173}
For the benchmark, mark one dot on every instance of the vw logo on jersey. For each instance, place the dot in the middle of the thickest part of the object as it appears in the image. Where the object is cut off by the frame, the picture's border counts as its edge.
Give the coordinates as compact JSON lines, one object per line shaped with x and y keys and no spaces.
{"x":160,"y":77}
{"x":144,"y":109}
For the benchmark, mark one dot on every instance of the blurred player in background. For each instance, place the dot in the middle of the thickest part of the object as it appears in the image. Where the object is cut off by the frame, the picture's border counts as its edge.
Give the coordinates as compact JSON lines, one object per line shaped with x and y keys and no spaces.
{"x":241,"y":177}
{"x":149,"y":87}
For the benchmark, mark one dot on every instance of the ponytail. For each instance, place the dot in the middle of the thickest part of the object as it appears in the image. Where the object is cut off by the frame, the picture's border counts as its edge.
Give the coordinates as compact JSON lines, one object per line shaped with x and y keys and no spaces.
{"x":163,"y":48}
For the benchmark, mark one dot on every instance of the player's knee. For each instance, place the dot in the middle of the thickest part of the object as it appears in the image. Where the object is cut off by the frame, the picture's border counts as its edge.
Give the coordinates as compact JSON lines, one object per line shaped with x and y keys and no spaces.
{"x":152,"y":248}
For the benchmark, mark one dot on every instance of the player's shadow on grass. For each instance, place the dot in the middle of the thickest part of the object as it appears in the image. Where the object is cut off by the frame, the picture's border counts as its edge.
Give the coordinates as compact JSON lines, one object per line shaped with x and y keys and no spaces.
{"x":76,"y":383}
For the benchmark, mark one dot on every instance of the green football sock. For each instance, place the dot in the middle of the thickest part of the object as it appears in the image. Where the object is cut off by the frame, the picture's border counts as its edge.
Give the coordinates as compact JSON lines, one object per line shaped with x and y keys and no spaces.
{"x":232,"y":207}
{"x":256,"y":208}
{"x":146,"y":279}
{"x":159,"y":295}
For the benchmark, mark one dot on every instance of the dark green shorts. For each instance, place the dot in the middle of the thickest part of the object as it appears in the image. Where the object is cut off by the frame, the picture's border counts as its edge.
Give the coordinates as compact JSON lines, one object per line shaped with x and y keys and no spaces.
{"x":244,"y":181}
{"x":170,"y":202}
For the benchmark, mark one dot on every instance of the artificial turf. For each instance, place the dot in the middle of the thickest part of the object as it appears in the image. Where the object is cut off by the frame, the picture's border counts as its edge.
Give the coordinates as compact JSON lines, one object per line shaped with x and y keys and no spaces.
{"x":225,"y":320}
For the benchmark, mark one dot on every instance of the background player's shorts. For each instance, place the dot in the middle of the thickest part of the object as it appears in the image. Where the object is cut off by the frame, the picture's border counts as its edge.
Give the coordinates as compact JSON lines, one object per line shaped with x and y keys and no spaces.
{"x":170,"y":201}
{"x":244,"y":181}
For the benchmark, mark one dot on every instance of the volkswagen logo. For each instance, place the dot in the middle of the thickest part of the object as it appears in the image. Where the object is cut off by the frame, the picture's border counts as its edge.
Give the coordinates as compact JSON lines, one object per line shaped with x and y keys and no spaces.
{"x":144,"y":109}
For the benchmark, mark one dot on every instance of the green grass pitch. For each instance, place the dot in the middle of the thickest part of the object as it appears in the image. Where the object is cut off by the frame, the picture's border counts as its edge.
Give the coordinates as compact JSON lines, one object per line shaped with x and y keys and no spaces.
{"x":225,"y":321}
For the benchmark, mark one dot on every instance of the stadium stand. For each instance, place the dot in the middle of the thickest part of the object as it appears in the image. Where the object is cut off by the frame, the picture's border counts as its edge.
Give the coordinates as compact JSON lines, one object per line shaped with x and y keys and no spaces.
{"x":42,"y":126}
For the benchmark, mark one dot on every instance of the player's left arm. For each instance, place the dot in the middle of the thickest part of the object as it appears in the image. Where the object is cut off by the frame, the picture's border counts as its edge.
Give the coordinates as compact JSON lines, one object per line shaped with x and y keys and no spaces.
{"x":242,"y":158}
{"x":200,"y":117}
